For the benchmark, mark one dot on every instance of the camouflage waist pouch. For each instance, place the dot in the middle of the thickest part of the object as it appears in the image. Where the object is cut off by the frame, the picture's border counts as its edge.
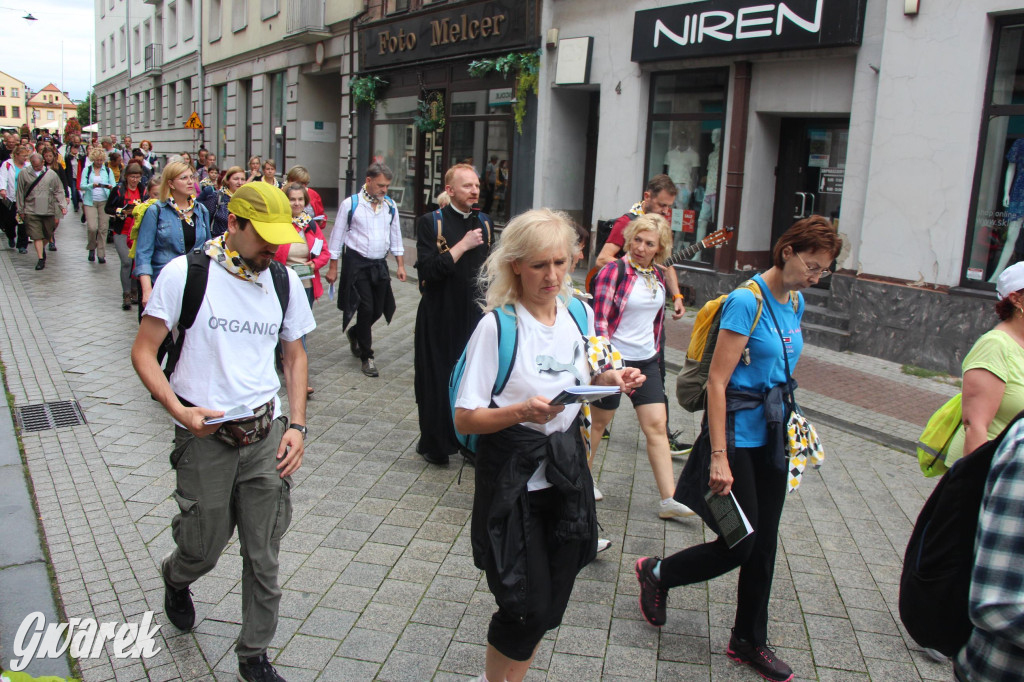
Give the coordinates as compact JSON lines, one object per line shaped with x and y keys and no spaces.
{"x":247,"y":431}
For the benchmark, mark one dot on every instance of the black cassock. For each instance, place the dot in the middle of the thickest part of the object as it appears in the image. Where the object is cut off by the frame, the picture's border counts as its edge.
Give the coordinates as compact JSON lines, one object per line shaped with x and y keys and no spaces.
{"x":449,"y":312}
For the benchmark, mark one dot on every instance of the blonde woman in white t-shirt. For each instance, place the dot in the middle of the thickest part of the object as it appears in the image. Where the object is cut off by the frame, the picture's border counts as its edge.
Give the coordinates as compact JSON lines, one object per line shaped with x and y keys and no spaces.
{"x":532,"y":545}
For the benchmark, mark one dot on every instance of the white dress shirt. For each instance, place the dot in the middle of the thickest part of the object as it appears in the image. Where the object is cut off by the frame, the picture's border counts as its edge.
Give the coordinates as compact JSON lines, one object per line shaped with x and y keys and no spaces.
{"x":373,"y":232}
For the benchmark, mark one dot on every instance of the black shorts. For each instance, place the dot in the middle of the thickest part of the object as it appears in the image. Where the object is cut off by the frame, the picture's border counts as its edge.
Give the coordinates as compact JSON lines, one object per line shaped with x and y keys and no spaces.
{"x":651,"y":391}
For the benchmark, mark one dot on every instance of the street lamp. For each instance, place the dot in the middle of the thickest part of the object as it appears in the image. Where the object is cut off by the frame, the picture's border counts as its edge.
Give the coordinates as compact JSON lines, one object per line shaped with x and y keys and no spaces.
{"x":28,"y":15}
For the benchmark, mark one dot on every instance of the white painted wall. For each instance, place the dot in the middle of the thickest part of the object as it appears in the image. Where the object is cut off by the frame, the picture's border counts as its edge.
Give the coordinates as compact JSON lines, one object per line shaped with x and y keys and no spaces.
{"x":928,"y":117}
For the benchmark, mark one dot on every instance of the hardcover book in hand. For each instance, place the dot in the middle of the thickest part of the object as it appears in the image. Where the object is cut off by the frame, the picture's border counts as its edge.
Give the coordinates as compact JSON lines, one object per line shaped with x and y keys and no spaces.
{"x":732,"y":522}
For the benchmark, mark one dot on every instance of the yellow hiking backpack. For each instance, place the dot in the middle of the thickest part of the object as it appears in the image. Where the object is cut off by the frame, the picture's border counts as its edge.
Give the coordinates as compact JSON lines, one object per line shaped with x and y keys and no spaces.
{"x":933,"y":445}
{"x":692,"y":381}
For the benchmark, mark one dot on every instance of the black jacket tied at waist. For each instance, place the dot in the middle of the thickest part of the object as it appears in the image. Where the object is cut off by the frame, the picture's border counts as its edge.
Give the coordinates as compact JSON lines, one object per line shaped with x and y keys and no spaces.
{"x":353,"y":264}
{"x":505,"y":462}
{"x":693,"y":481}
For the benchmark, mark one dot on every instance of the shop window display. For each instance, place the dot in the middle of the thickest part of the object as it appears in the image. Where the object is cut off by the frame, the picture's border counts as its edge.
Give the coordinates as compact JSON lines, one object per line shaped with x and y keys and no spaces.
{"x":684,"y":142}
{"x":395,"y":144}
{"x":995,"y":239}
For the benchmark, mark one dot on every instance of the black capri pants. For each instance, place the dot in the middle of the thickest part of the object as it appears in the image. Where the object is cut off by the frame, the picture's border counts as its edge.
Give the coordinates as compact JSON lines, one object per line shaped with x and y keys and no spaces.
{"x":760,"y":490}
{"x":551,"y":572}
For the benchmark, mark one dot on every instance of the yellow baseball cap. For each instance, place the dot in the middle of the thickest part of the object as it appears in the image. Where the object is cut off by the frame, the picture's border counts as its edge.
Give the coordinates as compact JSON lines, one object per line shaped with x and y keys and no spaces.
{"x":267,"y":208}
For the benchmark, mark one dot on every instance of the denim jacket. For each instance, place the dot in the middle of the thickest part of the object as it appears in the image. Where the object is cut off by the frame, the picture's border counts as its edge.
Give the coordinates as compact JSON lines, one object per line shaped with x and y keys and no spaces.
{"x":161,"y":239}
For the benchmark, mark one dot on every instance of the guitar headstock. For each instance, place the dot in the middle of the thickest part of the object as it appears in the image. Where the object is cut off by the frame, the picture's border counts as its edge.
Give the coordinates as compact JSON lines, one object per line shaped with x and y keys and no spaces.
{"x":718,"y":237}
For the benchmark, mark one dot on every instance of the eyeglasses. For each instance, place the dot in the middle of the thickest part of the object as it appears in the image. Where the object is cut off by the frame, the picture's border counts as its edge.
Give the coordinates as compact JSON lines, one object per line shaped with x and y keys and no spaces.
{"x":822,"y":274}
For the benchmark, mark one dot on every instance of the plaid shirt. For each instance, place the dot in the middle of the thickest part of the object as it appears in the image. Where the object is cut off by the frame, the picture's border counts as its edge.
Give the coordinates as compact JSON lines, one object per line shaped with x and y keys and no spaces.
{"x":995,"y":650}
{"x":611,"y":293}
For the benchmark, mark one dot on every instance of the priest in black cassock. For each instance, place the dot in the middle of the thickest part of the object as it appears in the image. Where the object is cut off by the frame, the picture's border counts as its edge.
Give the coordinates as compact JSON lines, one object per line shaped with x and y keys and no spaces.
{"x":447,"y":265}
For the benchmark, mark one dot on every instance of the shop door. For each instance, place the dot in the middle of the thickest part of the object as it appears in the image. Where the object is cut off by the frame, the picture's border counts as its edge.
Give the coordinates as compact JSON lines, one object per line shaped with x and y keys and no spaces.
{"x":809,"y":176}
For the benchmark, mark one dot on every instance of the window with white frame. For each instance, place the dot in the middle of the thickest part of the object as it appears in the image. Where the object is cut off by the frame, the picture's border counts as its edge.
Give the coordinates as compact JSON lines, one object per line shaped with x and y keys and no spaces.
{"x":49,"y":116}
{"x":122,"y":44}
{"x":2,"y":91}
{"x":172,"y":24}
{"x":16,"y":112}
{"x":3,"y":111}
{"x":103,"y":55}
{"x":137,"y":45}
{"x":269,"y":9}
{"x":147,"y":33}
{"x":239,"y":15}
{"x":188,"y":26}
{"x":14,"y":92}
{"x":216,"y":20}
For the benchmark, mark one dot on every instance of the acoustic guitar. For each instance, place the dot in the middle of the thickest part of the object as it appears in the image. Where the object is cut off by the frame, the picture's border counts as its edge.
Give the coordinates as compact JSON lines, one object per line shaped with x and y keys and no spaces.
{"x":714,"y":239}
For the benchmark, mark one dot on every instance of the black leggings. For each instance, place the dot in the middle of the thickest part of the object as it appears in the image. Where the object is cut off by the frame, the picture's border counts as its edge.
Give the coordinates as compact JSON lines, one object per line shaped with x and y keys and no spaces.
{"x":760,"y":490}
{"x":551,"y":572}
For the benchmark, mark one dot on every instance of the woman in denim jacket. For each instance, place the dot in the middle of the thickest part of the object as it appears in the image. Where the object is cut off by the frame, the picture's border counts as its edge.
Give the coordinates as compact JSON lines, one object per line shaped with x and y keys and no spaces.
{"x":171,"y":227}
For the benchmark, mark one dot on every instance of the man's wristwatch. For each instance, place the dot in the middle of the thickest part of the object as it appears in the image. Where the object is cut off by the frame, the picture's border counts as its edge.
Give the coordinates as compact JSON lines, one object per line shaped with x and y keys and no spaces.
{"x":301,"y":428}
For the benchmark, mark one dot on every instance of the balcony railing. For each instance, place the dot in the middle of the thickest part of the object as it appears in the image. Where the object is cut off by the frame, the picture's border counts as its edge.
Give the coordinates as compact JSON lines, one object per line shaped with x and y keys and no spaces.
{"x":305,"y":16}
{"x":154,"y":58}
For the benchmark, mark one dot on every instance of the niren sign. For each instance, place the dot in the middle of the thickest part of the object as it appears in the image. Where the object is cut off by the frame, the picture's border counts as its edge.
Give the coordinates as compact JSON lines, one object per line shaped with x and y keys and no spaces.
{"x":468,"y":29}
{"x":721,"y":27}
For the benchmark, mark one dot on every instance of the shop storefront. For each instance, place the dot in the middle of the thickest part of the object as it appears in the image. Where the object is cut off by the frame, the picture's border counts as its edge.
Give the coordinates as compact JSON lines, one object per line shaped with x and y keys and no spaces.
{"x":434,"y":114}
{"x":902,"y":123}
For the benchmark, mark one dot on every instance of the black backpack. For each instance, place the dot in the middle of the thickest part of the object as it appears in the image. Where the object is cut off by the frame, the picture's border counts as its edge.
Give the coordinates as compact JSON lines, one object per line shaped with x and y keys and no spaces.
{"x":192,"y":298}
{"x":936,"y":579}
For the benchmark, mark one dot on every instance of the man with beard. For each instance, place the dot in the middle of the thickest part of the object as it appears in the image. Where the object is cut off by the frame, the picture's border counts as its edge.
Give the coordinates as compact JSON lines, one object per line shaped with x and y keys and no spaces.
{"x":237,"y":473}
{"x":451,"y":245}
{"x":365,"y":231}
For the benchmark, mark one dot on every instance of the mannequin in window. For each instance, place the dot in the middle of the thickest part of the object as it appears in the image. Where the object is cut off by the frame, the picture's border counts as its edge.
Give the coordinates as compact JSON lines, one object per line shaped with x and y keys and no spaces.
{"x":707,"y":207}
{"x":682,"y":163}
{"x":1013,"y":202}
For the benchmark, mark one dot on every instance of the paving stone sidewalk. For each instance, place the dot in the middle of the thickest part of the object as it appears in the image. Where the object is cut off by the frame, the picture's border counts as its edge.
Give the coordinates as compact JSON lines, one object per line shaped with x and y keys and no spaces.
{"x":376,"y":569}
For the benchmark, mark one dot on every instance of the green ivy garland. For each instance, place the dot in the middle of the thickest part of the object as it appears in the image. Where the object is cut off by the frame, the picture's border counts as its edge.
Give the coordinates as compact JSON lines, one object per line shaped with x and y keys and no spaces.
{"x":366,"y":89}
{"x":430,"y":112}
{"x":525,"y":66}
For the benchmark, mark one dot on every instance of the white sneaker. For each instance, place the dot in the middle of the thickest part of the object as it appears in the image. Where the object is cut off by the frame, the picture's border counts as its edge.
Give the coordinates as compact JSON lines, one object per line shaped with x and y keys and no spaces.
{"x":668,"y":509}
{"x":603,"y":544}
{"x":598,"y":495}
{"x":936,"y":656}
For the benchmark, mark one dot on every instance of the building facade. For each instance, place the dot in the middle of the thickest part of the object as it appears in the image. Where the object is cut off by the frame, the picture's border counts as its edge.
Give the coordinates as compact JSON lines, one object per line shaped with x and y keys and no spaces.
{"x":439,"y":108}
{"x":50,"y":109}
{"x":13,"y":110}
{"x":148,"y":71}
{"x":276,"y":77}
{"x":901,"y":125}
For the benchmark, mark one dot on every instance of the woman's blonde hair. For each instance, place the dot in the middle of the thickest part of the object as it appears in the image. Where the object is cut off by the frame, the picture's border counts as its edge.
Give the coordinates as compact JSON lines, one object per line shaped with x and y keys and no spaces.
{"x":651,"y":222}
{"x":170,"y":174}
{"x":97,"y":154}
{"x":525,"y":236}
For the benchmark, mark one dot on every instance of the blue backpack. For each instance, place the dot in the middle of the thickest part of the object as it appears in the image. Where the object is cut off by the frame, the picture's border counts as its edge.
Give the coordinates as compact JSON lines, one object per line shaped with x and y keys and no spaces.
{"x":508,"y":341}
{"x":355,"y":202}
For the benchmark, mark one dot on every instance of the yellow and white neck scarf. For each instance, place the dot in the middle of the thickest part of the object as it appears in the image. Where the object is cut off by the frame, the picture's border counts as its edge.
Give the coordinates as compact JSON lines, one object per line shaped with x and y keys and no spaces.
{"x":217,"y":249}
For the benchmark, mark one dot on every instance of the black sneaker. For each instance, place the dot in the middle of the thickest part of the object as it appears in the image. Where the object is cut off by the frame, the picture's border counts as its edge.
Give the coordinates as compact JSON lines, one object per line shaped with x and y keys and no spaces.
{"x":257,"y":669}
{"x":179,"y":607}
{"x":52,"y":246}
{"x":353,"y":344}
{"x":92,"y":255}
{"x":761,"y":658}
{"x":41,"y":264}
{"x":677,"y":446}
{"x":653,"y":598}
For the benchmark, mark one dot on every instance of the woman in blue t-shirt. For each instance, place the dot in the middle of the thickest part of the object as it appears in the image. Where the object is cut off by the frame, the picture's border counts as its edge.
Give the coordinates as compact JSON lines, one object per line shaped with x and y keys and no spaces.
{"x":746,"y":366}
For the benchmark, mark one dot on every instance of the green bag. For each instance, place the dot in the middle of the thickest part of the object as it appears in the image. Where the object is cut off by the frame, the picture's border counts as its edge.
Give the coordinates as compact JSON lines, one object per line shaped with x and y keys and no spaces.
{"x":933,"y":445}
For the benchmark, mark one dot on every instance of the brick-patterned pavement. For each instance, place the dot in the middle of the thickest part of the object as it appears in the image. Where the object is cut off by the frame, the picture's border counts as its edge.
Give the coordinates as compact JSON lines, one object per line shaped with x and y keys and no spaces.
{"x":376,"y":568}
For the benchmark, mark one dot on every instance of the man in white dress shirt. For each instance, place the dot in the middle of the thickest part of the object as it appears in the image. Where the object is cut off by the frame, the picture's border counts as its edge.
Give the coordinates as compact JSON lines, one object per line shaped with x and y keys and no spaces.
{"x":365,"y":231}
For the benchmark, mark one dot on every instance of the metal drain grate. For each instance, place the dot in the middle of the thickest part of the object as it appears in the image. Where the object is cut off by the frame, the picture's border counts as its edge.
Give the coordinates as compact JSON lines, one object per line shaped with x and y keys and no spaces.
{"x":53,"y":415}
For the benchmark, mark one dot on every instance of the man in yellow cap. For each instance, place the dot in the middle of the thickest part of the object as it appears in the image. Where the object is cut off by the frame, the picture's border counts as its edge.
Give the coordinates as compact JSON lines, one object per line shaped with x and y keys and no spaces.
{"x":227,"y":304}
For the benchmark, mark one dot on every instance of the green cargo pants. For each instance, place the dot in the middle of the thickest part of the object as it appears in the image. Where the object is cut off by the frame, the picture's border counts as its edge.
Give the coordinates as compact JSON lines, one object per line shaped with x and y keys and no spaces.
{"x":221,"y":488}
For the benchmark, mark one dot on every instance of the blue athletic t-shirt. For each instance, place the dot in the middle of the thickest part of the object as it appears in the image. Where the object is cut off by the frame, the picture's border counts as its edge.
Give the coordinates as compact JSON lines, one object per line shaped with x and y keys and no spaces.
{"x":766,"y":368}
